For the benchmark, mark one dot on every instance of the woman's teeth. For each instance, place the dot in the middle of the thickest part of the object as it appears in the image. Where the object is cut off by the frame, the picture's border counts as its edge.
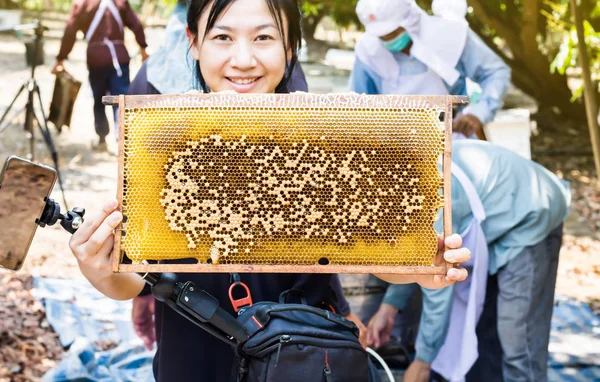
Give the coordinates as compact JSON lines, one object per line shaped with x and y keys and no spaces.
{"x":243,"y":81}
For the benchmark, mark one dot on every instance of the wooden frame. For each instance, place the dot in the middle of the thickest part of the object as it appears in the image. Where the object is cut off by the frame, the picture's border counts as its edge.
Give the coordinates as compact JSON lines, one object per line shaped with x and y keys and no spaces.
{"x":445,"y":103}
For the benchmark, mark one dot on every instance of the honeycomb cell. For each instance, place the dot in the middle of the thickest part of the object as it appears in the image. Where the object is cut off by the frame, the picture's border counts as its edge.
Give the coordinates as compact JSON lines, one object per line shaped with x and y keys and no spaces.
{"x":291,"y":180}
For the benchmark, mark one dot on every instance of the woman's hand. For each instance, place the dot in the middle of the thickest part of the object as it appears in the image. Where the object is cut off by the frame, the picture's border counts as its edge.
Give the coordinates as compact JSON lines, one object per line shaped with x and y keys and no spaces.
{"x":454,"y":254}
{"x":362,"y":337}
{"x":93,"y":242}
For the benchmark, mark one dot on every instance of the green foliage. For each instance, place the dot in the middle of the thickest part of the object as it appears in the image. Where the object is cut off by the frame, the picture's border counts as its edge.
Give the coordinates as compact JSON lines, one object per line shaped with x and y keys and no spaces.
{"x":310,"y":9}
{"x":342,"y":12}
{"x":538,"y":40}
{"x":568,"y":54}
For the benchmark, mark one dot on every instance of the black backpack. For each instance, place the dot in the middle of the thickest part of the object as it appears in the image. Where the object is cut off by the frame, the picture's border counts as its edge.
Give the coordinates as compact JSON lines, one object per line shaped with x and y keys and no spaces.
{"x":298,"y":342}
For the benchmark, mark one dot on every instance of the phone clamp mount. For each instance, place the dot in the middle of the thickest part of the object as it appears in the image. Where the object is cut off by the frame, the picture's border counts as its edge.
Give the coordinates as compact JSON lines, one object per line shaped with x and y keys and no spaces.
{"x":70,"y":220}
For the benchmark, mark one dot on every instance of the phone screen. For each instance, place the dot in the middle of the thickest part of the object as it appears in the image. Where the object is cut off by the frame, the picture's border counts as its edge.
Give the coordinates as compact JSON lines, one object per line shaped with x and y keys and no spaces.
{"x":23,"y":188}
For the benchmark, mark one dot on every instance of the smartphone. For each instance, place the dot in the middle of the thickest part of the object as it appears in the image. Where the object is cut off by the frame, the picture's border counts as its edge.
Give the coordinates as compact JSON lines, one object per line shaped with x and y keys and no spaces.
{"x":24,"y":187}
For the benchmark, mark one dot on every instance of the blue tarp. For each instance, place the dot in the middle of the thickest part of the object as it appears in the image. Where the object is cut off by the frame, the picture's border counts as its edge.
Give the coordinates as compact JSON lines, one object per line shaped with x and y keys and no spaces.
{"x":574,"y":342}
{"x":83,"y":317}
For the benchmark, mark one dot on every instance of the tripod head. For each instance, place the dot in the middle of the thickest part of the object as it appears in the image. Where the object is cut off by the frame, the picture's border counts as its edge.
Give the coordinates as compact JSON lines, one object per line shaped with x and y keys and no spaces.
{"x":36,"y":26}
{"x":38,"y":33}
{"x":70,"y":220}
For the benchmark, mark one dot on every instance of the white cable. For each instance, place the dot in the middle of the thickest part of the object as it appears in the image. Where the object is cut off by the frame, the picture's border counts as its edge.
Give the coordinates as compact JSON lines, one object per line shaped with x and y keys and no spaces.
{"x":382,"y":363}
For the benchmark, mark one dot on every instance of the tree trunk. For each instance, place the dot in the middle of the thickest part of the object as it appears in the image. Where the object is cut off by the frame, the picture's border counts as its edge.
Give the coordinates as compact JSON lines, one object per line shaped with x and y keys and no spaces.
{"x":309,"y":26}
{"x":530,"y":67}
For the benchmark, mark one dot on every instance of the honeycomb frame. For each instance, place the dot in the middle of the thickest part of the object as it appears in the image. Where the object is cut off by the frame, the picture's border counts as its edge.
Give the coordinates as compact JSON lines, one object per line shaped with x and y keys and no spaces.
{"x":318,"y":120}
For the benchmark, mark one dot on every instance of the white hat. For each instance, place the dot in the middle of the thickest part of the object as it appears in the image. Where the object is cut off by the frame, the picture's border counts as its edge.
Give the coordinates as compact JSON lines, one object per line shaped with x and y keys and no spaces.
{"x":450,"y":9}
{"x":381,"y":17}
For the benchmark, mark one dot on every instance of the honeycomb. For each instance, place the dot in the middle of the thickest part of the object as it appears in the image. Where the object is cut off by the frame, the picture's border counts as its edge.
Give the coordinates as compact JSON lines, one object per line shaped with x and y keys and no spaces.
{"x":293,"y":179}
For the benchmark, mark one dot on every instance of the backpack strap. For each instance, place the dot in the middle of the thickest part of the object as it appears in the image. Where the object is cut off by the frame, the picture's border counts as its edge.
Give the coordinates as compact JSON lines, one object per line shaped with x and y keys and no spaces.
{"x":290,"y":292}
{"x":242,"y":369}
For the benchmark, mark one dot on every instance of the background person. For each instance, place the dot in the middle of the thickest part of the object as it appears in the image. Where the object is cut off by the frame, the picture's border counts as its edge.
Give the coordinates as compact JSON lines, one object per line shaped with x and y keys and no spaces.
{"x":103,"y":22}
{"x":520,"y":214}
{"x":406,"y":51}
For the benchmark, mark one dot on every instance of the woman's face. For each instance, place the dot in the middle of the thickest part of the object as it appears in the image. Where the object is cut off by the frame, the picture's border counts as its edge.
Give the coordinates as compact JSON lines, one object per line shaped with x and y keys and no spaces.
{"x":243,"y":51}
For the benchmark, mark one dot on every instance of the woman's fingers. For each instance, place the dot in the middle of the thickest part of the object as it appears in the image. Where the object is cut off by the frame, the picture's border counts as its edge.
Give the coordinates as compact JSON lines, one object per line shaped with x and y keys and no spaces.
{"x":453,"y":241}
{"x":98,"y":240}
{"x":106,"y":250}
{"x":457,"y":256}
{"x":454,"y":254}
{"x":456,"y":274}
{"x":91,"y":224}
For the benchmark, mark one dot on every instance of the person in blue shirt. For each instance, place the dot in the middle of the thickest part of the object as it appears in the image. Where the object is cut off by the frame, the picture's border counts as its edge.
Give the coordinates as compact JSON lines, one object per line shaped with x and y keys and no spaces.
{"x":521,"y":210}
{"x":406,"y":51}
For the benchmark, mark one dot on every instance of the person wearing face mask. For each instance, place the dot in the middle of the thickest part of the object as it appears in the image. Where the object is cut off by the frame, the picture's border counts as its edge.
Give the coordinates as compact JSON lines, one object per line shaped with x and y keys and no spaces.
{"x":406,"y":51}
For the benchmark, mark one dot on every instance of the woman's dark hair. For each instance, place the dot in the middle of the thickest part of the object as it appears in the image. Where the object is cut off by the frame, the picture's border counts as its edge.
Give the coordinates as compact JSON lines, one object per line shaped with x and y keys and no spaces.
{"x":278,"y":9}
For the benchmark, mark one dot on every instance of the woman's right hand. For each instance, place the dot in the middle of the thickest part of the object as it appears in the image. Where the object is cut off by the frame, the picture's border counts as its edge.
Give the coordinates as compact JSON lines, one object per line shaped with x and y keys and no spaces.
{"x":93,"y":242}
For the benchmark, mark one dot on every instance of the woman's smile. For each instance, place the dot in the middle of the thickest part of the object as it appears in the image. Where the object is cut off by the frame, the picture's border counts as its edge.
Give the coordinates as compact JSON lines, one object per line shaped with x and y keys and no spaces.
{"x":243,"y":84}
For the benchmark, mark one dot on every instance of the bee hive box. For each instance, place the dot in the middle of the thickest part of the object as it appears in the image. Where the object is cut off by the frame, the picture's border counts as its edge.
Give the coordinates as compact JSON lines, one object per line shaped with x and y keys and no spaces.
{"x":340,"y":183}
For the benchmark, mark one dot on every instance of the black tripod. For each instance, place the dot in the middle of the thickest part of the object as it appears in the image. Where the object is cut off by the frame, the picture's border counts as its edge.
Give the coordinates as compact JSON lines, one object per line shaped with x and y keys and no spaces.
{"x":33,"y":92}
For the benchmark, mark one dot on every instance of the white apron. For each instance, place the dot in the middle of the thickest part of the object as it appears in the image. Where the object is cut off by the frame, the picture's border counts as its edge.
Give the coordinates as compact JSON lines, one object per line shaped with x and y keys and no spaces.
{"x":459,"y":351}
{"x":372,"y":53}
{"x":107,"y":4}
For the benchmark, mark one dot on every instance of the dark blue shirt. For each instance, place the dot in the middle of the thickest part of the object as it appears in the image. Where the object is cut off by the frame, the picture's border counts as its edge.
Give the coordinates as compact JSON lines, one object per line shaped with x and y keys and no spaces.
{"x":186,"y":352}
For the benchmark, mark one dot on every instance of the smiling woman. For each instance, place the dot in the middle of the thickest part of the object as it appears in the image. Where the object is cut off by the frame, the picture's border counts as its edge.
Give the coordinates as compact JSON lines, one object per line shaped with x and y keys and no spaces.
{"x":246,"y":46}
{"x":249,"y":48}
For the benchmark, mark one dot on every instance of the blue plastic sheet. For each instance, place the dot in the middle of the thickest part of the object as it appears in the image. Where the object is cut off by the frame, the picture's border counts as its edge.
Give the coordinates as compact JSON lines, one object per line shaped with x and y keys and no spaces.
{"x":83,"y":317}
{"x":127,"y":362}
{"x":574,"y":343}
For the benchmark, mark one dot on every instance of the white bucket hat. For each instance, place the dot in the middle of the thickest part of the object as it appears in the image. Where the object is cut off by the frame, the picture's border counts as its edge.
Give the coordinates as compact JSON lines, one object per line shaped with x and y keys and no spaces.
{"x":381,"y":17}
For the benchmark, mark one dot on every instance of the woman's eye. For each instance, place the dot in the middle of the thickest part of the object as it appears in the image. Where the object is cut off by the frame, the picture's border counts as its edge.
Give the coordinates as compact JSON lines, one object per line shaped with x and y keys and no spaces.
{"x":264,"y":37}
{"x":222,"y":37}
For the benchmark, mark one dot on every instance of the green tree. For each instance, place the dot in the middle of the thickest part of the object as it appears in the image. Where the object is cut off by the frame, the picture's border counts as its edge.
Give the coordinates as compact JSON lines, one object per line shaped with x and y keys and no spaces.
{"x":537,"y":39}
{"x":341,"y":11}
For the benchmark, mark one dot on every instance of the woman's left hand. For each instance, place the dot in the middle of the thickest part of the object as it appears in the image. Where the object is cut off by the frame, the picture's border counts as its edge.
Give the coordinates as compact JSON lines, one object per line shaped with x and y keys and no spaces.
{"x":362,"y":337}
{"x":454,"y":254}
